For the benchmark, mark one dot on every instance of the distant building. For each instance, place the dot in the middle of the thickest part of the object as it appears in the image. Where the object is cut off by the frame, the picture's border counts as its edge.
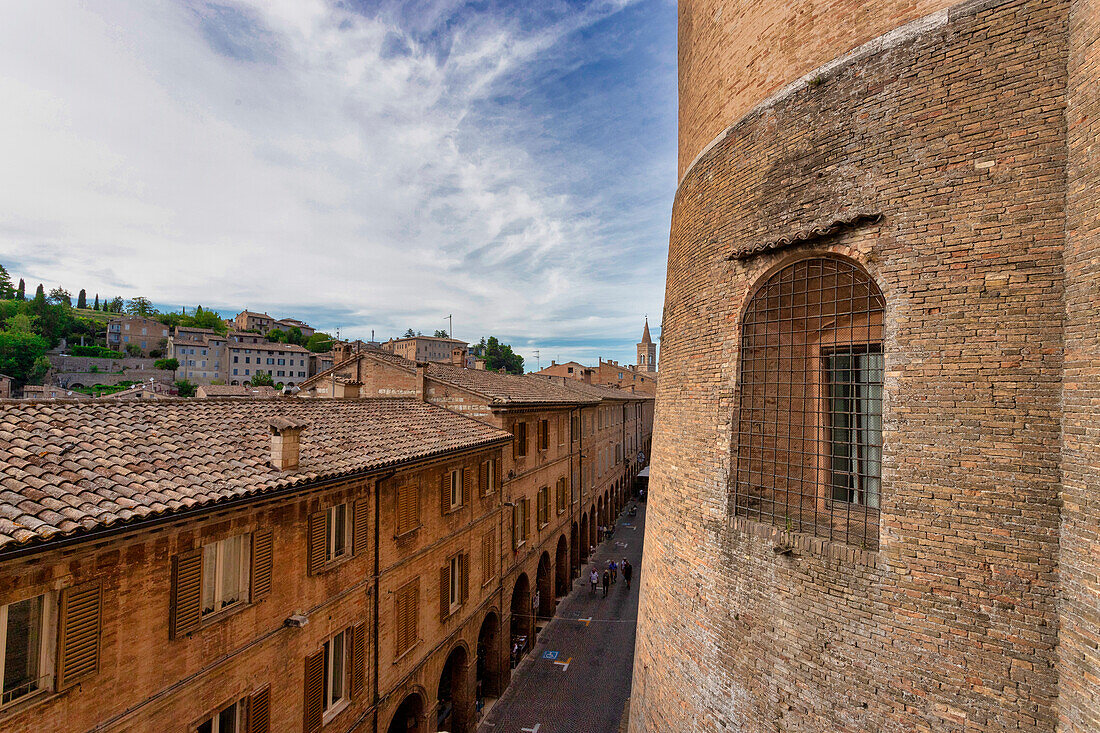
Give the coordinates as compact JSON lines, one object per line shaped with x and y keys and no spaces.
{"x":285,"y":324}
{"x":424,"y":348}
{"x":51,"y":392}
{"x":249,"y":320}
{"x":5,"y":386}
{"x":647,"y":352}
{"x":206,"y":356}
{"x":145,"y":333}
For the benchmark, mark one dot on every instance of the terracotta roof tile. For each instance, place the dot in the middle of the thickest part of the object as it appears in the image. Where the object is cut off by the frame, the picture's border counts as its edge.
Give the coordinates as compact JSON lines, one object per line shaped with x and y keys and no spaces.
{"x":68,"y":467}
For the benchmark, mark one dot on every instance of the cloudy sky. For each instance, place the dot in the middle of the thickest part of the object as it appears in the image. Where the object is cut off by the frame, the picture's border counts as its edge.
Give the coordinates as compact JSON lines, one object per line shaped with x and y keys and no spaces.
{"x":367,"y":165}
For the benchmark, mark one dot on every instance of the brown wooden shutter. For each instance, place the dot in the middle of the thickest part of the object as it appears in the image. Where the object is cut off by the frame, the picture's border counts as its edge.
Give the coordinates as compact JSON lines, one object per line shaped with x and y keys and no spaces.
{"x":358,"y":659}
{"x":486,"y":557}
{"x":359,"y":526}
{"x":445,"y":591}
{"x":497,"y":475}
{"x":445,"y":492}
{"x":408,"y":508}
{"x":483,"y":478}
{"x":517,"y":514}
{"x":313,"y":706}
{"x":80,"y":613}
{"x":262,"y":559}
{"x":465,"y":565}
{"x":185,"y":609}
{"x":526,"y":518}
{"x":317,"y":539}
{"x":467,"y":484}
{"x":259,"y":711}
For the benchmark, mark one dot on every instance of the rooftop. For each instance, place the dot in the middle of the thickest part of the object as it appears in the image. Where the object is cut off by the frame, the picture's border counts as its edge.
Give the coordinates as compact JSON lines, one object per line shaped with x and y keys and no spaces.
{"x":68,"y":468}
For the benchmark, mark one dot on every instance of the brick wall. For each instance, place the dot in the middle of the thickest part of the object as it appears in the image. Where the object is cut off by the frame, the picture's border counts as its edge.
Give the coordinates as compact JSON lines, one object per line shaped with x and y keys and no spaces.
{"x":956,"y":136}
{"x":1079,"y":561}
{"x":734,"y":53}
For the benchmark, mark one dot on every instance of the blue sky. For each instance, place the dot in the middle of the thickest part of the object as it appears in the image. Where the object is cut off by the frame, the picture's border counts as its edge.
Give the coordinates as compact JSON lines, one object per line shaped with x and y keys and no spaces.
{"x":361,"y":165}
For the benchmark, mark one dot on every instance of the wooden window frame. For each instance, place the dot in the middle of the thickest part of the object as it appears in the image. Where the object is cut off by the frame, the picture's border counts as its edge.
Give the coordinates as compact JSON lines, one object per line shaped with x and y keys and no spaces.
{"x":544,"y":435}
{"x":331,"y":554}
{"x":414,"y":490}
{"x":519,"y":442}
{"x":47,"y":624}
{"x":243,"y":572}
{"x":330,"y":709}
{"x":214,"y":717}
{"x":456,"y":488}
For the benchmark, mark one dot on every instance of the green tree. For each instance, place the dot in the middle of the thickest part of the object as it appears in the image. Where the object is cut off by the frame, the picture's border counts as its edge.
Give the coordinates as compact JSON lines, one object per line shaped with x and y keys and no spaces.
{"x":96,"y":306}
{"x":133,"y":350}
{"x":20,"y":354}
{"x":500,"y":356}
{"x":171,"y":364}
{"x":21,"y":293}
{"x":319,"y":342}
{"x":185,"y":388}
{"x":441,"y":334}
{"x":6,"y":289}
{"x":21,"y":323}
{"x":115,"y":305}
{"x":40,"y":294}
{"x":276,"y":335}
{"x":409,"y":333}
{"x":262,"y":379}
{"x":140,"y":306}
{"x":59,"y":296}
{"x":294,"y":336}
{"x":82,"y":299}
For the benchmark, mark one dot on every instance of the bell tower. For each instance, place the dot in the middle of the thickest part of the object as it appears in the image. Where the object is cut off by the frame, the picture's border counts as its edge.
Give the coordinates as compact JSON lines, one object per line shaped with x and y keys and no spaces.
{"x":647,"y":351}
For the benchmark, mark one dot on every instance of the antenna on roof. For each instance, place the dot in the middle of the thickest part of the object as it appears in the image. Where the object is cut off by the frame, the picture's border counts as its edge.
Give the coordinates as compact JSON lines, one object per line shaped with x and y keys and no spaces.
{"x":538,"y":361}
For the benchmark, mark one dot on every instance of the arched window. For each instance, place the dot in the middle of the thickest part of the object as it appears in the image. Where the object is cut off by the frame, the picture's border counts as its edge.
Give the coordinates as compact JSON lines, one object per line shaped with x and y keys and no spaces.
{"x":809,"y":425}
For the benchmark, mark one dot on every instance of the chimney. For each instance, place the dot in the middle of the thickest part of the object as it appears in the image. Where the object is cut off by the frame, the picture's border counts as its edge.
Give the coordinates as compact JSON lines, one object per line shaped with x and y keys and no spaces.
{"x":479,"y":364}
{"x":421,"y":381}
{"x":285,"y":443}
{"x":458,"y":357}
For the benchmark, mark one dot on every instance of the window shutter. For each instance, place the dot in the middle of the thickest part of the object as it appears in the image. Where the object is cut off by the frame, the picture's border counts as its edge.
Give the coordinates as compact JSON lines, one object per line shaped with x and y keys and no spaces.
{"x":467,"y":484}
{"x":445,"y":493}
{"x":526,"y":518}
{"x":358,"y":659}
{"x":359,"y":518}
{"x":313,"y":705}
{"x":487,"y":557}
{"x":445,"y":592}
{"x":408,"y":509}
{"x":497,"y":476}
{"x":465,"y":564}
{"x":318,"y":537}
{"x":517,"y":513}
{"x":515,"y":440}
{"x":185,"y":610}
{"x":78,"y":643}
{"x":262,"y":558}
{"x":259,"y":711}
{"x":483,"y":478}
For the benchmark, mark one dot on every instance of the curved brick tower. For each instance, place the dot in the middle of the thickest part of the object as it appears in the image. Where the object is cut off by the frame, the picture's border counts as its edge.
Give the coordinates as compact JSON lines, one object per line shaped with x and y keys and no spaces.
{"x":875,"y":492}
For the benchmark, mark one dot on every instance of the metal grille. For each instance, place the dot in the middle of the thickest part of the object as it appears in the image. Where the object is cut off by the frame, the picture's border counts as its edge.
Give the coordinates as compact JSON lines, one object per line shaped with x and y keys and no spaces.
{"x":809,"y":432}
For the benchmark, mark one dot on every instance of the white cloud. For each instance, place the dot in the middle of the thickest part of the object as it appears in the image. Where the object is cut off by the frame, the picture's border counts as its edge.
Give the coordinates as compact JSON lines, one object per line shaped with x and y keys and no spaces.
{"x":272,"y":155}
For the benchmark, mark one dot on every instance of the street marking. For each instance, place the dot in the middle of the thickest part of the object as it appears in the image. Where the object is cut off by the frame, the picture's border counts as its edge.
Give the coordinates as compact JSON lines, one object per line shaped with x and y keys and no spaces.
{"x":549,"y":655}
{"x":586,"y":620}
{"x":532,"y":730}
{"x":565,"y":664}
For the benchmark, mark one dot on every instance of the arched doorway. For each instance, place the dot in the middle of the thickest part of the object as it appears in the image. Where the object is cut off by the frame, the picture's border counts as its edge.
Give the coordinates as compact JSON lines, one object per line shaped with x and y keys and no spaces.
{"x":488,"y":673}
{"x":574,"y":551}
{"x":561,"y":568}
{"x":593,"y":526}
{"x":601,"y":519}
{"x":453,"y":698}
{"x":585,"y":542}
{"x":408,"y":716}
{"x":544,"y":586}
{"x":521,"y":622}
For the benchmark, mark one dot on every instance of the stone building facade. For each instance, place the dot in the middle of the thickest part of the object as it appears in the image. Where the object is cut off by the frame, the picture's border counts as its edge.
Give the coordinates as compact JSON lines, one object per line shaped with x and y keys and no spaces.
{"x":875,"y":463}
{"x":206,"y":356}
{"x":568,"y":471}
{"x":257,"y":583}
{"x":147,"y":334}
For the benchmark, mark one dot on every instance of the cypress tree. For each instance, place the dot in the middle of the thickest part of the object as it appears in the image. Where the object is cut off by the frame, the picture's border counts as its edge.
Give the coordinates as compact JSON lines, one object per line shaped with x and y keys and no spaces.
{"x":22,"y":292}
{"x":40,"y":295}
{"x":96,"y":306}
{"x":82,"y":299}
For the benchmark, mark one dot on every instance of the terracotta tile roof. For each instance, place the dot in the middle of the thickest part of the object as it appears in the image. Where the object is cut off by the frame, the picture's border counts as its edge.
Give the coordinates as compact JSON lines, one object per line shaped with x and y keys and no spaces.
{"x":234,"y":390}
{"x":598,"y":391}
{"x":73,"y":467}
{"x":500,"y":389}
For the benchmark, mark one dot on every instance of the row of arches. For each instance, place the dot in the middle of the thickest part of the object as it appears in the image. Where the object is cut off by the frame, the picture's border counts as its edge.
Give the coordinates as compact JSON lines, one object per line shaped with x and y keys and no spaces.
{"x":457,"y":694}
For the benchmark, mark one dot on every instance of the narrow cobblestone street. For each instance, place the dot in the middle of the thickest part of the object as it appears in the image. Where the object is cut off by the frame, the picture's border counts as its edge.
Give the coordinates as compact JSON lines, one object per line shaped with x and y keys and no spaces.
{"x":577,"y":678}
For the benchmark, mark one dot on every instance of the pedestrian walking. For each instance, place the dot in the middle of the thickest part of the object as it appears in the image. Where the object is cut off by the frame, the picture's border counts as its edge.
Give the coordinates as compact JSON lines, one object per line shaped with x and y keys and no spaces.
{"x":613,"y":569}
{"x":628,"y":570}
{"x":594,"y":579}
{"x":606,"y":582}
